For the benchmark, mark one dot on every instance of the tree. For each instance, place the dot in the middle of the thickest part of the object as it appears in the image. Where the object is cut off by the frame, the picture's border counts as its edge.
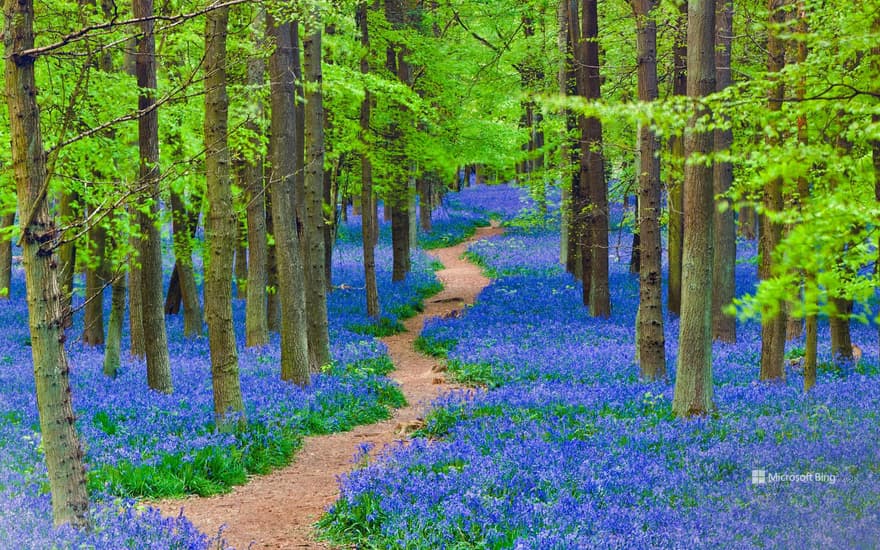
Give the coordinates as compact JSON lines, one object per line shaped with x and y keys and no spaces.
{"x":149,"y":245}
{"x":368,"y":207}
{"x":64,"y":455}
{"x":773,"y":324}
{"x":256,"y":321}
{"x":651,"y":344}
{"x":693,"y":382}
{"x":676,"y":149}
{"x":316,"y":289}
{"x":592,"y":179}
{"x":723,"y":281}
{"x":291,"y":291}
{"x":222,"y":224}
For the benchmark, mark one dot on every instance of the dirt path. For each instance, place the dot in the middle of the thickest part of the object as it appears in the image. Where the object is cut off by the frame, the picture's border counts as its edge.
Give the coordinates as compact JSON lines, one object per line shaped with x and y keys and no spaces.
{"x":277,"y":510}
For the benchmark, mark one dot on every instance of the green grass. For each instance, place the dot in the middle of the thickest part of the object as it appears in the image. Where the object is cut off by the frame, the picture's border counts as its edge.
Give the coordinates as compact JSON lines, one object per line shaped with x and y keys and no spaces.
{"x":383,"y":327}
{"x":473,"y":374}
{"x":434,"y":347}
{"x":256,"y":449}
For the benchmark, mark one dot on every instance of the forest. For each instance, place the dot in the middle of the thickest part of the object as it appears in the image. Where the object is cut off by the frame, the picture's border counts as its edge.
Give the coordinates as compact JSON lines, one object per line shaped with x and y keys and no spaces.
{"x":440,"y":274}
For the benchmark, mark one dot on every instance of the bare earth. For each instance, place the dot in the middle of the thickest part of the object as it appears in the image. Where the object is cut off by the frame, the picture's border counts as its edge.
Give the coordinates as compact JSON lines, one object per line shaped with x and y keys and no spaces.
{"x":278,"y":510}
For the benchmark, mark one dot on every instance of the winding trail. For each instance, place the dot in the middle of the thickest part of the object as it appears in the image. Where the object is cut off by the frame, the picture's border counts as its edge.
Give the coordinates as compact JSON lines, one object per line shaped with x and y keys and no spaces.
{"x":278,"y":510}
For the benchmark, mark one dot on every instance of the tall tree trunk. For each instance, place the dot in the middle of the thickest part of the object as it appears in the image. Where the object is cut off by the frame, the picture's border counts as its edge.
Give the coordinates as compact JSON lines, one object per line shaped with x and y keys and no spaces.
{"x":64,"y":455}
{"x":773,"y":329}
{"x":875,"y":144}
{"x":115,"y":326}
{"x":425,"y":205}
{"x":153,"y":315}
{"x":96,"y":276}
{"x":841,"y":337}
{"x":256,"y":325}
{"x":316,"y":290}
{"x":183,"y":288}
{"x":593,"y":171}
{"x":675,"y":196}
{"x":67,"y":254}
{"x":221,"y":228}
{"x":580,"y":262}
{"x":283,"y":146}
{"x":273,"y":303}
{"x":652,"y":343}
{"x":241,"y":260}
{"x":723,"y":281}
{"x":368,"y":207}
{"x":693,"y":383}
{"x":398,"y":197}
{"x":6,"y":257}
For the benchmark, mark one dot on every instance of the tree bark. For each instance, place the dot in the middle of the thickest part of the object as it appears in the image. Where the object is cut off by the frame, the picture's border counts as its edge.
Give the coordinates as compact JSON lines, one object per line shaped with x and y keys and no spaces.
{"x":593,"y":171}
{"x":6,"y":258}
{"x":316,"y":291}
{"x":273,"y":304}
{"x":773,"y":328}
{"x":221,"y":229}
{"x":283,"y":147}
{"x":256,"y":325}
{"x":693,"y":383}
{"x":676,"y":149}
{"x":96,"y":276}
{"x":67,"y":254}
{"x":398,"y":197}
{"x":241,"y":260}
{"x":64,"y":455}
{"x":368,"y":207}
{"x":652,"y":343}
{"x":183,"y":289}
{"x":115,"y":327}
{"x":153,"y":315}
{"x":723,"y":281}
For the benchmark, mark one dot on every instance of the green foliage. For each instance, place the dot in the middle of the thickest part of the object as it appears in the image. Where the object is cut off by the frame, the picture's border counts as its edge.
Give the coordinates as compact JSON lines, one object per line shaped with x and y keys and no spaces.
{"x":385,"y":326}
{"x":434,"y":347}
{"x":473,"y":374}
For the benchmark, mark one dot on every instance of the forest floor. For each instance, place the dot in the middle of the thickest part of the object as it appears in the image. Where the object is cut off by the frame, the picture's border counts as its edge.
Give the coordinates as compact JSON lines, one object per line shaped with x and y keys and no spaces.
{"x":278,"y":510}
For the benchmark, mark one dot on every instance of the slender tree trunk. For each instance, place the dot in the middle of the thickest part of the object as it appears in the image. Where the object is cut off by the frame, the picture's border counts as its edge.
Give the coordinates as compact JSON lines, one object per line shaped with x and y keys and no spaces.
{"x":241,"y":260}
{"x":222,"y":226}
{"x":773,"y":329}
{"x":592,"y":158}
{"x":283,"y":147}
{"x":316,"y":291}
{"x":425,"y":205}
{"x":96,"y":276}
{"x":256,"y":325}
{"x":153,"y":315}
{"x":723,"y":281}
{"x":273,"y":304}
{"x":67,"y":255}
{"x":368,"y":208}
{"x":398,"y":197}
{"x":183,"y":289}
{"x":841,"y":337}
{"x":652,"y":343}
{"x":675,"y":197}
{"x":64,"y":455}
{"x":115,"y":326}
{"x":693,"y":383}
{"x":6,"y":258}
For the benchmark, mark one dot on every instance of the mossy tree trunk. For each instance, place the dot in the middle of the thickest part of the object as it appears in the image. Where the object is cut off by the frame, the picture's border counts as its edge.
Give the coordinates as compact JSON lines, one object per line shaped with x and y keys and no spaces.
{"x":40,"y":236}
{"x":283,"y":146}
{"x":222,"y":225}
{"x":316,"y":297}
{"x":256,"y":325}
{"x":153,"y":314}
